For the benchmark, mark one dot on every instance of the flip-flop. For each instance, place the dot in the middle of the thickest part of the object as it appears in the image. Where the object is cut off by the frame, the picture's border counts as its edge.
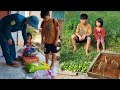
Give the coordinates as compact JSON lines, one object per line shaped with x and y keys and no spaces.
{"x":18,"y":59}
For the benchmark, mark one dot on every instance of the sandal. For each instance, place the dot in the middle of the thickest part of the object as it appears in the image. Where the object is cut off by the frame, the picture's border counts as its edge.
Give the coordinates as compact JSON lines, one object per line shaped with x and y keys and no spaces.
{"x":14,"y":64}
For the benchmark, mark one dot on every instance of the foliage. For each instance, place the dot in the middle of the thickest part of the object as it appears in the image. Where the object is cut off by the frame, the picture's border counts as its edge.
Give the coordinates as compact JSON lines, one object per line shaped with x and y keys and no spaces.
{"x":32,"y":31}
{"x":78,"y":61}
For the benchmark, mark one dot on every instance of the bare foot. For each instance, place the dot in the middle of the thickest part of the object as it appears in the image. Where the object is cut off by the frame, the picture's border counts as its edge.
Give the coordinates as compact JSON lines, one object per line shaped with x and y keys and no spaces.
{"x":89,"y":58}
{"x":103,"y":50}
{"x":98,"y":51}
{"x":87,"y":53}
{"x":46,"y":62}
{"x":74,"y":49}
{"x":51,"y":67}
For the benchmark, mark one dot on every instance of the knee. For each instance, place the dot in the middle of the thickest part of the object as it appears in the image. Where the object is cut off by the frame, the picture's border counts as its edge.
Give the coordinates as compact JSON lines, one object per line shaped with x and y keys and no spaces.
{"x":102,"y":40}
{"x":73,"y":36}
{"x":89,"y":39}
{"x":98,"y":40}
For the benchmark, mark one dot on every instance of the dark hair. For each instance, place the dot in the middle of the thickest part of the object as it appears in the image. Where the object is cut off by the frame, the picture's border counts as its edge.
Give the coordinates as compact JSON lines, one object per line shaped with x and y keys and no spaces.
{"x":100,"y":20}
{"x":29,"y":34}
{"x":83,"y":16}
{"x":44,"y":13}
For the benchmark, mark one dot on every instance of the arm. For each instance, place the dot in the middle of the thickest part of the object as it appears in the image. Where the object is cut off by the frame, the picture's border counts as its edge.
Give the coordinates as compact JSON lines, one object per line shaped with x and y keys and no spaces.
{"x":11,"y":21}
{"x":57,"y":28}
{"x":8,"y":28}
{"x":8,"y":35}
{"x":90,"y":31}
{"x":24,"y":34}
{"x":95,"y":34}
{"x":77,"y":31}
{"x":57,"y":33}
{"x":42,"y":33}
{"x":42,"y":36}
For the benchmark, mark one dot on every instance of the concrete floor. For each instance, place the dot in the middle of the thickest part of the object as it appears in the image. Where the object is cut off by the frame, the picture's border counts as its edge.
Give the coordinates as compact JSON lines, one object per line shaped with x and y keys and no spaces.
{"x":7,"y":72}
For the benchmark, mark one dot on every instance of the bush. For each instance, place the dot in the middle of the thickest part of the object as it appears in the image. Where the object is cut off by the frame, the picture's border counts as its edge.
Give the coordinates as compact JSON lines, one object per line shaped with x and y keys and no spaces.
{"x":32,"y":31}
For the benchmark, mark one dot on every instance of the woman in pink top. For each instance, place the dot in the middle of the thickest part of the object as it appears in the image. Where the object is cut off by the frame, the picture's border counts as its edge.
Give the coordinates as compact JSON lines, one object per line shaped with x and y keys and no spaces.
{"x":99,"y":33}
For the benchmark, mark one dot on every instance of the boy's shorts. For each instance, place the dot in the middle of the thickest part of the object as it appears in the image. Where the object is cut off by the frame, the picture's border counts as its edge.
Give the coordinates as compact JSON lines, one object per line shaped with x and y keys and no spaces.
{"x":50,"y":48}
{"x":85,"y":40}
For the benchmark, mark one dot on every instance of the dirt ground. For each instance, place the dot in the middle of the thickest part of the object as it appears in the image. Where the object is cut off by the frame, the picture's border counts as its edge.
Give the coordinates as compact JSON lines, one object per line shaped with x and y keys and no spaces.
{"x":110,"y":71}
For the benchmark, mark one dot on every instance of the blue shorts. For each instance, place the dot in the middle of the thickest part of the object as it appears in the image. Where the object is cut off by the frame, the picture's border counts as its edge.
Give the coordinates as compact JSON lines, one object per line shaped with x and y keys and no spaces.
{"x":85,"y":40}
{"x":50,"y":48}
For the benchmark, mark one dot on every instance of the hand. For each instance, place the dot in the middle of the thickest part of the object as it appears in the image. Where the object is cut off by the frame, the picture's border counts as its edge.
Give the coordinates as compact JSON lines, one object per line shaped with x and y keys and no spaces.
{"x":80,"y":38}
{"x":26,"y":44}
{"x":56,"y":42}
{"x":99,"y":34}
{"x":83,"y":37}
{"x":10,"y":41}
{"x":42,"y":42}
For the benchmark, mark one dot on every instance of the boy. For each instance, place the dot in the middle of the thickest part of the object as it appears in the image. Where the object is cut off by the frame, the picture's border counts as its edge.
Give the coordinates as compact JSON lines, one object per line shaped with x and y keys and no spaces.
{"x":50,"y":32}
{"x":83,"y":33}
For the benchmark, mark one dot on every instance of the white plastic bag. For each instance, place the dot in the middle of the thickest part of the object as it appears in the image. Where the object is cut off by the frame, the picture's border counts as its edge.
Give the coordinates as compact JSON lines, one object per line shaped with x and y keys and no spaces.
{"x":20,"y":51}
{"x":43,"y":74}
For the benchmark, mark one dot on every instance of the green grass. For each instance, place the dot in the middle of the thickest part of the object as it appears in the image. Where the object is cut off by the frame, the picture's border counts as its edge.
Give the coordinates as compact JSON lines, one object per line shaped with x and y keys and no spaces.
{"x":78,"y":60}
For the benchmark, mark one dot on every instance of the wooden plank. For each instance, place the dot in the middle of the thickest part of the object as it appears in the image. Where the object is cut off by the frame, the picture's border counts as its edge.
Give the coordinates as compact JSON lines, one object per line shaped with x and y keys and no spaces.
{"x":92,"y":63}
{"x":94,"y":75}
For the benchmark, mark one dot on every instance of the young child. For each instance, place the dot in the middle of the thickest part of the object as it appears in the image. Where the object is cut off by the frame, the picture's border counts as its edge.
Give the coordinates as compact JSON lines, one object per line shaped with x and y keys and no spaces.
{"x":99,"y":33}
{"x":50,"y":32}
{"x":83,"y":33}
{"x":29,"y":36}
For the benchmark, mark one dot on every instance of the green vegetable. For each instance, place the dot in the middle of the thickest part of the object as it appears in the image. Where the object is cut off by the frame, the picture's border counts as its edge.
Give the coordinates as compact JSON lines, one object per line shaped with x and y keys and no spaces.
{"x":41,"y":66}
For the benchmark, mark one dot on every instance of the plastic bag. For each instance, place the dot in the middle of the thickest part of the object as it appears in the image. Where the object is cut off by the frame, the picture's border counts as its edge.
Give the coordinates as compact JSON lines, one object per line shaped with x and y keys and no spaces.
{"x":43,"y":74}
{"x":30,"y":51}
{"x":27,"y":51}
{"x":20,"y":52}
{"x":33,"y":67}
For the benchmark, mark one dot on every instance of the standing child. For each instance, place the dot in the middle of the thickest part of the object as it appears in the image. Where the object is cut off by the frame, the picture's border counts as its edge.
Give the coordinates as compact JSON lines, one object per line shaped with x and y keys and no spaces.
{"x":50,"y":35}
{"x":99,"y":33}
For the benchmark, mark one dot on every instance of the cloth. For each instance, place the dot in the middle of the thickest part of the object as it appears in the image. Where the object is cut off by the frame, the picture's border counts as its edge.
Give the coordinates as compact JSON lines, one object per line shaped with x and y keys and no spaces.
{"x":85,"y":40}
{"x":98,"y":34}
{"x":82,"y":30}
{"x":49,"y":30}
{"x":50,"y":48}
{"x":30,"y":51}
